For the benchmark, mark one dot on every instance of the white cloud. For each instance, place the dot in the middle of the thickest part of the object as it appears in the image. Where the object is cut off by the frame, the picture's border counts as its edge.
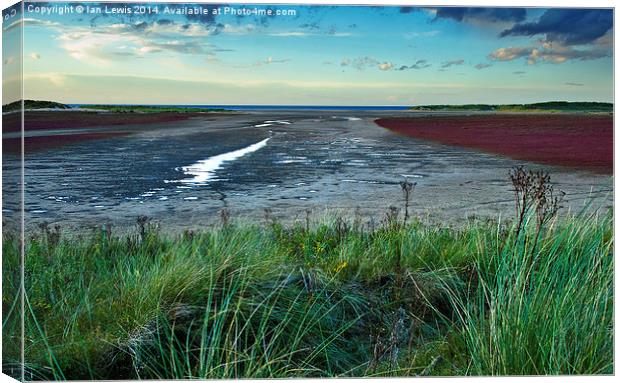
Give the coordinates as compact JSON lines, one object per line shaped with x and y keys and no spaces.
{"x":270,"y":60}
{"x":386,"y":65}
{"x":291,"y":34}
{"x":509,"y":53}
{"x":104,"y":45}
{"x":369,"y":62}
{"x":239,"y":29}
{"x":149,"y":49}
{"x":96,"y":48}
{"x":307,"y":34}
{"x":30,"y":22}
{"x":547,"y":52}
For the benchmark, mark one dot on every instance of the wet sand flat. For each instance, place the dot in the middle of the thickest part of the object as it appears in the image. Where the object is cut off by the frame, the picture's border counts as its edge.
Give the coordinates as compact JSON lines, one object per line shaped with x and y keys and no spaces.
{"x":183,"y":173}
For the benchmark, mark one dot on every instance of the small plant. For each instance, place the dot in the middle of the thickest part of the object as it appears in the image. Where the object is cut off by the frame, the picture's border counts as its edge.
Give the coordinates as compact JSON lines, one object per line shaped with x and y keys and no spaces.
{"x":342,"y":229}
{"x":372,"y":224}
{"x":268,"y":216}
{"x":308,"y":212}
{"x":407,"y":188}
{"x":107,"y":229}
{"x":377,"y":351}
{"x":225,"y":217}
{"x":142,"y":222}
{"x":546,"y":200}
{"x":51,"y":235}
{"x":397,"y":336}
{"x":391,"y":217}
{"x":358,"y":225}
{"x":534,"y":190}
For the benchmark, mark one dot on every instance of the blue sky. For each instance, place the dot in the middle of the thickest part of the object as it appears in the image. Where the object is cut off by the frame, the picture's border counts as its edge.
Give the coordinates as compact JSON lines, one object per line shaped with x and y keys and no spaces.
{"x":317,"y":55}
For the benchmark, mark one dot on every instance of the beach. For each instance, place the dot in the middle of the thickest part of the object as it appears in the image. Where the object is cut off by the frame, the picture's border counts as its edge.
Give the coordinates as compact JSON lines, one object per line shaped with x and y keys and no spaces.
{"x":183,"y":170}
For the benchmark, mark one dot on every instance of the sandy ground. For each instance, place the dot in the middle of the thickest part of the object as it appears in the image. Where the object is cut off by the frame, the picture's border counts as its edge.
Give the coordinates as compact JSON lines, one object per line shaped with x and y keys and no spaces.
{"x":327,"y":163}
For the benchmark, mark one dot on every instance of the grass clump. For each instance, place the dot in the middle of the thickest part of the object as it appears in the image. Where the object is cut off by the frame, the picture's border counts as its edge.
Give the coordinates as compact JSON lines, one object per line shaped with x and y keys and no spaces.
{"x":544,"y":312}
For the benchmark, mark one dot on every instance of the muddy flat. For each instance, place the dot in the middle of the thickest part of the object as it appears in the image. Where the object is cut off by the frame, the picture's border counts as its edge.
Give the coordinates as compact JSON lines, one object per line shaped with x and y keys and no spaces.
{"x":182,"y":173}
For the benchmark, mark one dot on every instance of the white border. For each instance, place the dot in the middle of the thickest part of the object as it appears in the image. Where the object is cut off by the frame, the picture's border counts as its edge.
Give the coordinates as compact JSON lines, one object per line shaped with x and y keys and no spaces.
{"x":496,"y":3}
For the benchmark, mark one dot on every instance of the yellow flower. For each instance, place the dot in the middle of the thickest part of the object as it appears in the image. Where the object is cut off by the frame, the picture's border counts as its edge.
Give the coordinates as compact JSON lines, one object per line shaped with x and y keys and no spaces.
{"x":319,"y":248}
{"x":341,"y":266}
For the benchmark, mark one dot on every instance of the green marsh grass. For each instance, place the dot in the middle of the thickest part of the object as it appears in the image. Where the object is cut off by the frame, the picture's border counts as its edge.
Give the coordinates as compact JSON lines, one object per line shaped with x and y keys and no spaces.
{"x":545,"y":310}
{"x":328,"y":299}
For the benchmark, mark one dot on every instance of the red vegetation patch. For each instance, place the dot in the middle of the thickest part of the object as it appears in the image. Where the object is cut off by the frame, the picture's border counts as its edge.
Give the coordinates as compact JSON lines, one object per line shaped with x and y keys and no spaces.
{"x":68,"y":120}
{"x":577,"y":141}
{"x":43,"y":120}
{"x":13,"y":145}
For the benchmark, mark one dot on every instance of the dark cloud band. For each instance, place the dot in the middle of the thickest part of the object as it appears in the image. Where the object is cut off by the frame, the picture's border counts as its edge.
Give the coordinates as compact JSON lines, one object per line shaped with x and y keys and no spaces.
{"x":567,"y":26}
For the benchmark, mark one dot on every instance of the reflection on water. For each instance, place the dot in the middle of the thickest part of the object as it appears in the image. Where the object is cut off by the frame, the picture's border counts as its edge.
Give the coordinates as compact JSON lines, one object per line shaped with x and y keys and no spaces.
{"x":204,"y":170}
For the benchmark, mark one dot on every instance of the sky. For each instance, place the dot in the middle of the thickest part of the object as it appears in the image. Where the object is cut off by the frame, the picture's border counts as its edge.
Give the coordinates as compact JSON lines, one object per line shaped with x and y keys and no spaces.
{"x":88,"y":53}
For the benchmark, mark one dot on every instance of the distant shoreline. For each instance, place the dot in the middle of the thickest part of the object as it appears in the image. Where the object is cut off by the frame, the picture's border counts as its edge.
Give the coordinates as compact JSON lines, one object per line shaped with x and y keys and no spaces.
{"x":542,"y":107}
{"x":259,"y":107}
